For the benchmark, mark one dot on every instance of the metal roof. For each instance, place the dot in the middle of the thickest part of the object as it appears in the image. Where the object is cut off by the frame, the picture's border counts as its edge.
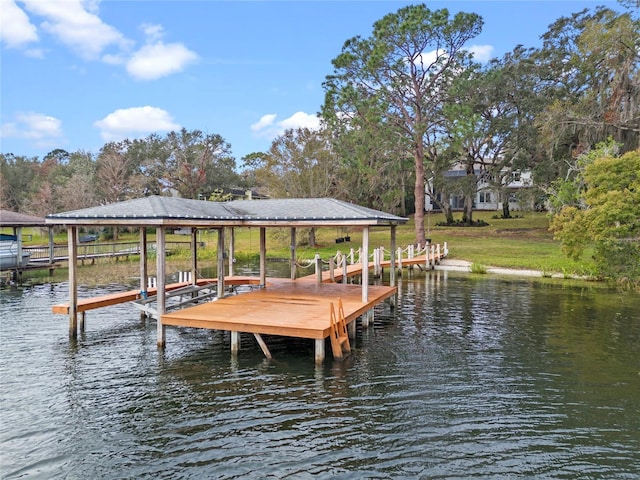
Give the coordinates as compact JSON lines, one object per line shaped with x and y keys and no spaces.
{"x":158,"y":210}
{"x":14,"y":219}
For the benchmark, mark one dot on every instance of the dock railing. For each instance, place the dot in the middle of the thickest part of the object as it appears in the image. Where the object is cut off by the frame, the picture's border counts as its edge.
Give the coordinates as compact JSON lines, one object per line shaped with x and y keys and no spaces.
{"x":93,"y":251}
{"x":411,"y":255}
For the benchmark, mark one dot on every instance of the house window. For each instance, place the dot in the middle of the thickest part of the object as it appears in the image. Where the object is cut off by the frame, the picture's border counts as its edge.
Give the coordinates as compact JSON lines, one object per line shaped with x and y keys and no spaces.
{"x":485,"y":197}
{"x":515,"y":176}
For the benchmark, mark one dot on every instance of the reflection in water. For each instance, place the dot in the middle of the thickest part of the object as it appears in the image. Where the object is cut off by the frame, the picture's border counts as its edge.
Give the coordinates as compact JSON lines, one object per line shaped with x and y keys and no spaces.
{"x":468,"y":376}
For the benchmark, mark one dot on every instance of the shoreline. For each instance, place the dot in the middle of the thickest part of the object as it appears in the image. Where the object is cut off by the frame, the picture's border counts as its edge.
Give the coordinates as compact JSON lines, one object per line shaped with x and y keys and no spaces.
{"x":456,"y":265}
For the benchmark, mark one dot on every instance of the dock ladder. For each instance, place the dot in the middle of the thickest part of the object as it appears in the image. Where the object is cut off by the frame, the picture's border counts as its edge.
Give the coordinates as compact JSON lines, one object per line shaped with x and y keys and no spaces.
{"x":339,"y":336}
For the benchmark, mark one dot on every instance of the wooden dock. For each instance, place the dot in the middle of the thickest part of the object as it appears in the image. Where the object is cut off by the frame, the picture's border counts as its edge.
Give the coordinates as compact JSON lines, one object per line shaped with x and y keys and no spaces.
{"x":290,"y":308}
{"x":301,"y":308}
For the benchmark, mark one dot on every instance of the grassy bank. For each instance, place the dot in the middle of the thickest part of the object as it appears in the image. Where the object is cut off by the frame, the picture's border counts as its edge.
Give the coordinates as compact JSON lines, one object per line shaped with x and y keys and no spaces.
{"x":519,"y":243}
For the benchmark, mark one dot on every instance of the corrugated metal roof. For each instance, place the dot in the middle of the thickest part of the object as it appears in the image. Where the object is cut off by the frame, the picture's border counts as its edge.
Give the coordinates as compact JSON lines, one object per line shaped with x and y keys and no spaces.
{"x":158,"y":209}
{"x":14,"y":219}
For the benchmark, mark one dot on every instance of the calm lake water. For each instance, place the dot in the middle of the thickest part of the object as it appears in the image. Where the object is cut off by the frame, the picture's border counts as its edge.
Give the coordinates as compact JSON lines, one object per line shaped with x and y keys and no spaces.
{"x":470,"y":376}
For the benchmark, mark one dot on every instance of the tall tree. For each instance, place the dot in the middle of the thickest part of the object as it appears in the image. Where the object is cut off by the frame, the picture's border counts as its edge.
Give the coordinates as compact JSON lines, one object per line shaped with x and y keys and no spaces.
{"x":589,"y":63}
{"x":17,"y":177}
{"x":299,"y":164}
{"x":405,"y":68}
{"x":198,"y":163}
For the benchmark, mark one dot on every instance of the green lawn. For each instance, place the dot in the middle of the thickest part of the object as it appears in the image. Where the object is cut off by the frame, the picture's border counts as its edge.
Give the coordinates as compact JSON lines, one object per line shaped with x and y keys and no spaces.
{"x":510,"y":243}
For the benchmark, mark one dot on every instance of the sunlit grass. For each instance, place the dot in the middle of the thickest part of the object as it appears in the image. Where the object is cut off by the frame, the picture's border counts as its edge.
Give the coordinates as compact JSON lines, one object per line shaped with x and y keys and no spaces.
{"x":521,"y":243}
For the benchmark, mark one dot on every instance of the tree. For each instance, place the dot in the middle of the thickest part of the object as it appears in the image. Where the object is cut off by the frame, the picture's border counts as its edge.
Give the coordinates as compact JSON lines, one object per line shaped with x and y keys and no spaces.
{"x":609,"y":219}
{"x":17,"y":176}
{"x":589,"y":64}
{"x":197,"y":163}
{"x":402,"y":73}
{"x":299,"y":164}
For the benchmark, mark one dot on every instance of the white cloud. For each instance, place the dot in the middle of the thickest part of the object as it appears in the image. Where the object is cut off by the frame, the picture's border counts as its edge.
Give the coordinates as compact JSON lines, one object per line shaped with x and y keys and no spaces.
{"x":135,"y":122}
{"x":264,"y":122}
{"x":43,"y":130}
{"x":159,"y":60}
{"x":268,"y":127}
{"x":74,"y":23}
{"x":481,"y":53}
{"x":153,"y":32}
{"x":15,"y":28}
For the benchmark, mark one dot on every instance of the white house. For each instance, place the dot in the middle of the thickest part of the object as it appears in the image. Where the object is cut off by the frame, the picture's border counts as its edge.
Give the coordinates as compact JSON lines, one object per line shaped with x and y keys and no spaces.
{"x":487,"y":195}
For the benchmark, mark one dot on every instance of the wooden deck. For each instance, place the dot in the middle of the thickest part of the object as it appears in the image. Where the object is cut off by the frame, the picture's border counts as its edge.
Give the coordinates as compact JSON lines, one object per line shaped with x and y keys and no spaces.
{"x":287,"y":308}
{"x":298,"y":308}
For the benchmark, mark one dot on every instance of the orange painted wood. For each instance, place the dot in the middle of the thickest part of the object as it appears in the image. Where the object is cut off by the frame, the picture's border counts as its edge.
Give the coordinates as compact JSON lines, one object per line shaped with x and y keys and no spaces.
{"x":287,"y":308}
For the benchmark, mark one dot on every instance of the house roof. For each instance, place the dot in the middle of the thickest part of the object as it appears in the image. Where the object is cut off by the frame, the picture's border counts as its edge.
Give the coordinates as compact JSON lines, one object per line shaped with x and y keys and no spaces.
{"x":14,"y":219}
{"x":171,"y":211}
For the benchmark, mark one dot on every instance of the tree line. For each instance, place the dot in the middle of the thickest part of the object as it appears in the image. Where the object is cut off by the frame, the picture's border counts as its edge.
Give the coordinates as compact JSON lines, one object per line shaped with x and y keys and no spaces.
{"x":401,"y":108}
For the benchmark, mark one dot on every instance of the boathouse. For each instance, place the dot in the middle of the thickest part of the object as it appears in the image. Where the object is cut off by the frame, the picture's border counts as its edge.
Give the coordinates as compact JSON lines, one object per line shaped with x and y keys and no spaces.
{"x":304,"y":308}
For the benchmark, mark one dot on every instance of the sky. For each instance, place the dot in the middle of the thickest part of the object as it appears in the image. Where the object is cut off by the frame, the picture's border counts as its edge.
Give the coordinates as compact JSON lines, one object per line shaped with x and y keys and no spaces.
{"x":76,"y":74}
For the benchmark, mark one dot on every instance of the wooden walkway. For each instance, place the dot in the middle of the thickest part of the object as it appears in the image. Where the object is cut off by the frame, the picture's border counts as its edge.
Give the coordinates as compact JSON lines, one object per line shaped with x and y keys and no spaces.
{"x":133,"y":295}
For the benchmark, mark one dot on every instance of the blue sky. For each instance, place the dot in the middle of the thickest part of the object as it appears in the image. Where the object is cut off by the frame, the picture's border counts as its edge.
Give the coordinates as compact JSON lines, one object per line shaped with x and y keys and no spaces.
{"x":78,"y":73}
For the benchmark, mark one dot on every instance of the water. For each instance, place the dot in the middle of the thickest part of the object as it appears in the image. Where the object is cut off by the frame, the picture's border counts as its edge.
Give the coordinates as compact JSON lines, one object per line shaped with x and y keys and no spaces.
{"x":471,"y":376}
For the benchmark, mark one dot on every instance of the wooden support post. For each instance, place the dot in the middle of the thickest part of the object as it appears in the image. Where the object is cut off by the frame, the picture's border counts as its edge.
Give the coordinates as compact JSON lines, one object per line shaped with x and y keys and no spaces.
{"x":72,"y":240}
{"x":235,"y":343}
{"x":263,"y":257}
{"x":263,"y":345}
{"x":52,"y":254}
{"x":194,"y":256}
{"x":352,"y":329}
{"x":160,"y":279}
{"x":393,"y":272}
{"x":320,"y":350}
{"x":344,"y":269}
{"x":293,"y":253}
{"x":427,"y":262}
{"x":232,"y":250}
{"x":318,"y":264}
{"x":220,"y":268}
{"x":332,"y":267}
{"x":446,"y":250}
{"x":144,"y":272}
{"x":83,"y":317}
{"x":364,"y":258}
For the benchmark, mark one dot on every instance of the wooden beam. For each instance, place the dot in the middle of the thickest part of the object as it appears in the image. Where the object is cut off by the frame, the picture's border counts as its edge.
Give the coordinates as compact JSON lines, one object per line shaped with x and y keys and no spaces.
{"x":365,"y":264}
{"x":263,"y":256}
{"x":144,"y":270}
{"x":393,"y":273}
{"x":220,"y":262}
{"x":232,"y":249}
{"x":194,"y":255}
{"x":161,"y":275}
{"x":235,"y":342}
{"x":263,"y":345}
{"x":319,"y":350}
{"x":293,"y":253}
{"x":72,"y":240}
